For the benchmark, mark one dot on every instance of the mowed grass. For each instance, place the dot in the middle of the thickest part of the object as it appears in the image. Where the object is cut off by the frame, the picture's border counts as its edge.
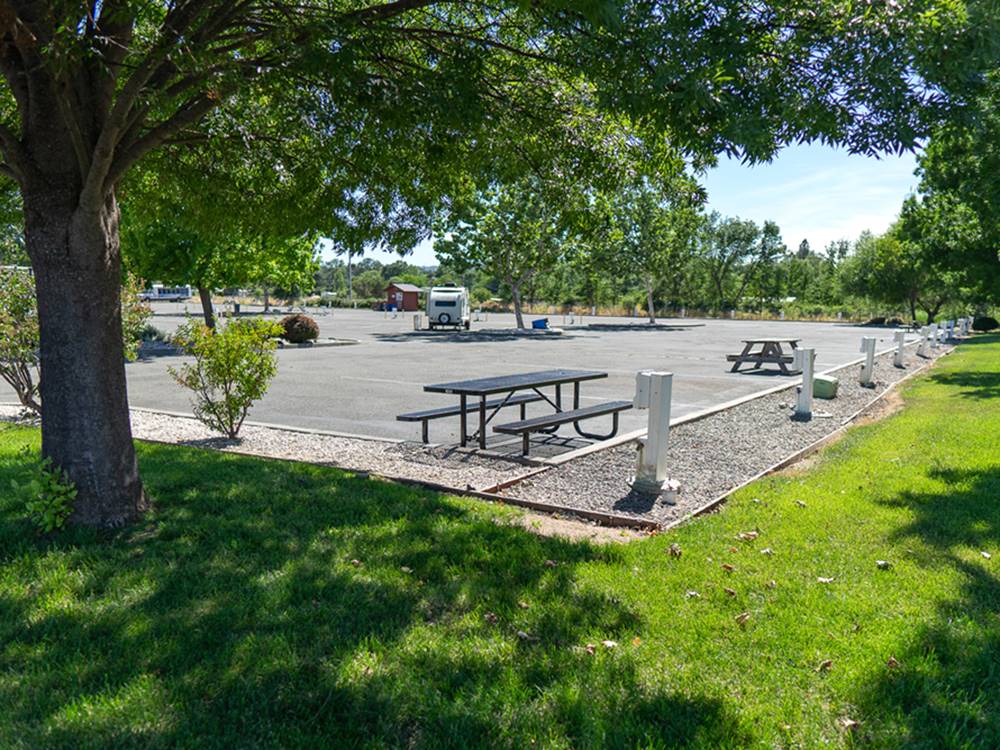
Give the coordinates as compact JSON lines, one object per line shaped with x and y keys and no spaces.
{"x":267,"y":604}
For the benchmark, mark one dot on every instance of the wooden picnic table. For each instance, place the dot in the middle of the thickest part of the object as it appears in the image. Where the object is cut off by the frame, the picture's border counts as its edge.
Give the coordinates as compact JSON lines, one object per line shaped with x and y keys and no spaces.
{"x":770,"y":351}
{"x":481,"y":388}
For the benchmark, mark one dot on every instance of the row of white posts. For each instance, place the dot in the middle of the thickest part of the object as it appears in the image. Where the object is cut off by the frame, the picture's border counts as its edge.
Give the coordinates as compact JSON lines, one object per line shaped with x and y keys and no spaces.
{"x":653,"y":392}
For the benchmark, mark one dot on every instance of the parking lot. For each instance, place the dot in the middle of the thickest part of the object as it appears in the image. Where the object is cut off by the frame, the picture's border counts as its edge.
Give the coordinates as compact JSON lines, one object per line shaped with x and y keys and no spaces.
{"x":359,"y":389}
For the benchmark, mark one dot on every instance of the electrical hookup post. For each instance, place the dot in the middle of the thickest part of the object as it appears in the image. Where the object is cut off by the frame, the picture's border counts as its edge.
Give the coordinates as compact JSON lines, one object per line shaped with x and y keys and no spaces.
{"x":653,"y":392}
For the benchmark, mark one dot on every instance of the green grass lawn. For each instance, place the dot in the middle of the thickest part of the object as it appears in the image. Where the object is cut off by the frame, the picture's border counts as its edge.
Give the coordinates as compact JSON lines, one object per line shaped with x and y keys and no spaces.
{"x":271,"y":604}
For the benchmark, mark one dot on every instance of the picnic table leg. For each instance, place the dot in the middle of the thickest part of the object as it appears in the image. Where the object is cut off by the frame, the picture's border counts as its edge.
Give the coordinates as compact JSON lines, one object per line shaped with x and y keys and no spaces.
{"x":781,"y":363}
{"x":576,"y":394}
{"x":463,"y":402}
{"x":558,"y":397}
{"x":423,"y":431}
{"x":738,"y":362}
{"x":482,"y":422}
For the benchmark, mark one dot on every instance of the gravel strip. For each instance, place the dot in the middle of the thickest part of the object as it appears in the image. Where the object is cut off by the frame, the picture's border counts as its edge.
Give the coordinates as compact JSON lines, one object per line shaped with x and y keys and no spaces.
{"x":710,"y":456}
{"x":440,"y":465}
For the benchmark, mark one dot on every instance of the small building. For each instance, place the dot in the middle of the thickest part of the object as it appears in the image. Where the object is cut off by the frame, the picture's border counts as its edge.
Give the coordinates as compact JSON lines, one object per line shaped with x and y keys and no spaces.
{"x":404,"y":297}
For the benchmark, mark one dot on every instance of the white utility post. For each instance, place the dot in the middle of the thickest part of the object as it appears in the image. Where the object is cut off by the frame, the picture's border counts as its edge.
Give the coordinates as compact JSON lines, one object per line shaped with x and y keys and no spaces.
{"x":925,"y":334}
{"x":781,"y":315}
{"x":683,"y":312}
{"x":951,"y":330}
{"x":418,"y":321}
{"x":652,"y":392}
{"x":804,"y":360}
{"x":934,"y":335}
{"x":897,"y":358}
{"x":868,"y":368}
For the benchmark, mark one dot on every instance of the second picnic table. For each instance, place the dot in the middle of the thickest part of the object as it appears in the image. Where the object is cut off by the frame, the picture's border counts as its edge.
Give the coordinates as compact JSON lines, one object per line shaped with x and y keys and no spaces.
{"x":481,"y":388}
{"x":770,"y":352}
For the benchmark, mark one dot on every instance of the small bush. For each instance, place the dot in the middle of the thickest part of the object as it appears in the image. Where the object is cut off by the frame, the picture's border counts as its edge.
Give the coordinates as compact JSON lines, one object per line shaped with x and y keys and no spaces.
{"x":894,"y":322}
{"x":985,"y":323}
{"x":19,"y":336}
{"x":49,"y":496}
{"x":876,"y":321}
{"x":233,"y":368}
{"x":299,"y":328}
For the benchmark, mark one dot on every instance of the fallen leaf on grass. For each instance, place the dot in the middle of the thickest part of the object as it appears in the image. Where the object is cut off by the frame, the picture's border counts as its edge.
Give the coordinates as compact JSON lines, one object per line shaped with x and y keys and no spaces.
{"x":748,"y":536}
{"x":609,"y":644}
{"x":523,"y":605}
{"x":590,"y":648}
{"x":525,"y":636}
{"x":674,"y":550}
{"x":728,"y":568}
{"x":741,"y":618}
{"x":800,"y":503}
{"x":825,"y":665}
{"x":883,"y":564}
{"x":892,"y":663}
{"x":491,"y":618}
{"x":821,"y":579}
{"x":730,"y":592}
{"x":767,"y":551}
{"x":406,"y":569}
{"x":692,"y":595}
{"x":772,"y":584}
{"x":636,"y":641}
{"x":733,"y":549}
{"x":986,"y":554}
{"x":849,"y":724}
{"x":550,"y":563}
{"x":356,"y":563}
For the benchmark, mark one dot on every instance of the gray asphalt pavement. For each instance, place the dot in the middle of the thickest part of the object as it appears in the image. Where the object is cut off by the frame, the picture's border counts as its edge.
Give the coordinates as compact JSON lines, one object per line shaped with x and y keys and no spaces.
{"x":360,"y":389}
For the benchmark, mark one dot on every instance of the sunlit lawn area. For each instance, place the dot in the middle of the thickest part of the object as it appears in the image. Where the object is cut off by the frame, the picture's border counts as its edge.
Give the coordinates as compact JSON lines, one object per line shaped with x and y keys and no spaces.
{"x":273,"y":604}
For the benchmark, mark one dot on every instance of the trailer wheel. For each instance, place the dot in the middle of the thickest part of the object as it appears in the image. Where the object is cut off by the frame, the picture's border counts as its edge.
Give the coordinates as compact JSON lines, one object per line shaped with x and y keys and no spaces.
{"x":468,"y":324}
{"x":444,"y":319}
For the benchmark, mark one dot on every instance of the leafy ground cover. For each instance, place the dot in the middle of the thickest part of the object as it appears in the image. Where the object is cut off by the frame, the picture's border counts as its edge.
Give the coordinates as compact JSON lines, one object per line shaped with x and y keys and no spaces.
{"x":273,"y":604}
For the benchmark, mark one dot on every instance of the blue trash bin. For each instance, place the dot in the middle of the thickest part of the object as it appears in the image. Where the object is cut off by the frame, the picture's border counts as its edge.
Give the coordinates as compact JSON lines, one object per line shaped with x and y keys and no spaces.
{"x":540,"y":324}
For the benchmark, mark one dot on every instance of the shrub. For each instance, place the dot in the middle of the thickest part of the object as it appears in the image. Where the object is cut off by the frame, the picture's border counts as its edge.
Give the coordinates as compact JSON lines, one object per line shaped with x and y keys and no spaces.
{"x":50,"y":495}
{"x":135,"y":314}
{"x":19,"y":331}
{"x":985,"y":323}
{"x":233,"y":368}
{"x":19,"y":336}
{"x":876,"y":321}
{"x":299,"y":328}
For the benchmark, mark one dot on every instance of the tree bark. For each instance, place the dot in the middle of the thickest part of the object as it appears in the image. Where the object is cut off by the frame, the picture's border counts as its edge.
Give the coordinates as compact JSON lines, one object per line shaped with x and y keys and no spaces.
{"x":85,"y":418}
{"x":650,"y":307}
{"x":205,"y":295}
{"x":515,"y":292}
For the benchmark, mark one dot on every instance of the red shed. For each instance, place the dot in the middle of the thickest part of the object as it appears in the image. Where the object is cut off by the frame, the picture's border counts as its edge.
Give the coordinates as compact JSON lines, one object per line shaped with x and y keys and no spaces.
{"x":402,"y":296}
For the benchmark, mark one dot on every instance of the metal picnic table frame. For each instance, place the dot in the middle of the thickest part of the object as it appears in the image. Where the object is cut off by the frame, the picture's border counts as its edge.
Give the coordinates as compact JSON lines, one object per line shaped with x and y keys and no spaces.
{"x":771,"y":352}
{"x":481,"y":388}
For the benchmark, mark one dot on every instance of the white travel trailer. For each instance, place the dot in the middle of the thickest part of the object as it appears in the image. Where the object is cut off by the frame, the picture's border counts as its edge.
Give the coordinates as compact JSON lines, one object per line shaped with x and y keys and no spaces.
{"x":160,"y":293}
{"x":448,"y":307}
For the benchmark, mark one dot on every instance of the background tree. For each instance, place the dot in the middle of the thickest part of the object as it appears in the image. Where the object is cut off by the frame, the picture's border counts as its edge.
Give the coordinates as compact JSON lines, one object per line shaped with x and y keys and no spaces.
{"x":514,"y":231}
{"x":733,"y":252}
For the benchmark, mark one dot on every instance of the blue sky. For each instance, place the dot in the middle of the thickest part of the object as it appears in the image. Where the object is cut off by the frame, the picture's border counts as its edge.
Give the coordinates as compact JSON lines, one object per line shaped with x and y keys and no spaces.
{"x":812,"y":191}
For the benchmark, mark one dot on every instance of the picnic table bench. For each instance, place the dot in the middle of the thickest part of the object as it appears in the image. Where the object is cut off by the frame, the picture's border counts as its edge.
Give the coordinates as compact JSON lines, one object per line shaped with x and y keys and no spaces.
{"x":770,"y":351}
{"x":425,"y":416}
{"x":480,"y":389}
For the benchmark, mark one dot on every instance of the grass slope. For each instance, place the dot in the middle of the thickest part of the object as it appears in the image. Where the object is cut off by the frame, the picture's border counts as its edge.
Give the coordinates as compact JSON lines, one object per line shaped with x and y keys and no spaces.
{"x":270,"y":604}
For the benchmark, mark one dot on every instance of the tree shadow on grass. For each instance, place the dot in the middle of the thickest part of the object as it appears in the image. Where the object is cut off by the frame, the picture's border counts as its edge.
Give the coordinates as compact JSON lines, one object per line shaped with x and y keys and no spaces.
{"x":979,"y":385}
{"x":946,"y":691}
{"x":275,"y":604}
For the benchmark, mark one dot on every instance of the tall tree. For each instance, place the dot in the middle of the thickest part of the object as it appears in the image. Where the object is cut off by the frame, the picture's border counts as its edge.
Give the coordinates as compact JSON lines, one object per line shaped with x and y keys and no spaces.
{"x":734,"y":251}
{"x":397,"y":90}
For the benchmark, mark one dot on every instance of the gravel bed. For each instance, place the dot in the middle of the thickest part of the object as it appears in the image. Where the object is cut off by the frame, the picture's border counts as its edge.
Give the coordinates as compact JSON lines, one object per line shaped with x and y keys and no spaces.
{"x":440,"y":465}
{"x":710,"y":456}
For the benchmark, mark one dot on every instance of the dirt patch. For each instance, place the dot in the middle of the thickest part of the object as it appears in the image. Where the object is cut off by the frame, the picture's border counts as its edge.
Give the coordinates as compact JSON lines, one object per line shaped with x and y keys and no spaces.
{"x":576,"y":530}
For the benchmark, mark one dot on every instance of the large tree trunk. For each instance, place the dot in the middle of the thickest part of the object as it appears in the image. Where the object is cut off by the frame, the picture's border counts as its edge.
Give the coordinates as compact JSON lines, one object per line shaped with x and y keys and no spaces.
{"x":205,"y":295}
{"x":515,"y":292}
{"x":85,"y":419}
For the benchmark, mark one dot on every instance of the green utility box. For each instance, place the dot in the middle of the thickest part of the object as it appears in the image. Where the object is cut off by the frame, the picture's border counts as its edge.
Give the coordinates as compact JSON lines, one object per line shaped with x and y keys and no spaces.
{"x":825,"y":386}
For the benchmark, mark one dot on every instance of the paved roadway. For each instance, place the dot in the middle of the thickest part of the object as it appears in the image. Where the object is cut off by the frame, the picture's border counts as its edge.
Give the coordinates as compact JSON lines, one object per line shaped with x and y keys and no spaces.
{"x":359,"y":389}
